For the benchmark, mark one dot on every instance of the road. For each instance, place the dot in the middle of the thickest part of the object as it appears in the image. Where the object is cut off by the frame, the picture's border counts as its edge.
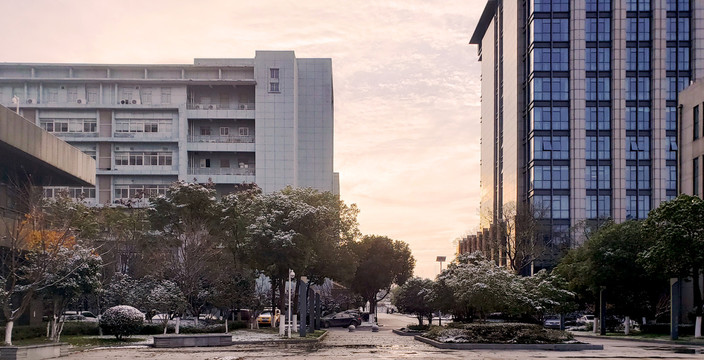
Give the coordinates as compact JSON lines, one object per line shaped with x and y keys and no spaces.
{"x":364,"y":344}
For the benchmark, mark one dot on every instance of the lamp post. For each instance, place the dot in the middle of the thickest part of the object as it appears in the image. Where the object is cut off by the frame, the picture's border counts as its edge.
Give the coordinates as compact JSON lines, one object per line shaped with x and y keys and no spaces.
{"x":291,"y":276}
{"x":440,"y":259}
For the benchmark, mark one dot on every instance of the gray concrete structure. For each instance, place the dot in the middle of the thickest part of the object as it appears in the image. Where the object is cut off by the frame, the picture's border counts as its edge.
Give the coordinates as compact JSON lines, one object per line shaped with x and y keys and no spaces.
{"x":266,"y":120}
{"x":579,"y":104}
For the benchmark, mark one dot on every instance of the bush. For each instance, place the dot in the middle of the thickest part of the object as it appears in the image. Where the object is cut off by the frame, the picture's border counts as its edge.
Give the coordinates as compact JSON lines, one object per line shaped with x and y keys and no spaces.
{"x":122,"y":320}
{"x":507,"y":333}
{"x":79,"y":328}
{"x":26,"y":332}
{"x":157,"y":329}
{"x":416,"y":327}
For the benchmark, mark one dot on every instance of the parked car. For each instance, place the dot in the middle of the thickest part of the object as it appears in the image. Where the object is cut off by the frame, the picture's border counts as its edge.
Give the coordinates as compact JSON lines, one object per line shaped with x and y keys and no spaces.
{"x":79,"y":316}
{"x":266,"y":317}
{"x":344,"y":319}
{"x":552,"y":322}
{"x":586,"y":319}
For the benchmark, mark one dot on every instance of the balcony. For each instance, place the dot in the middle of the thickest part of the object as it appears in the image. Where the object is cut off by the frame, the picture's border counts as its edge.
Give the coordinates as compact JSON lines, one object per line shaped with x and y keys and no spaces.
{"x":221,"y":139}
{"x":220,"y":106}
{"x":248,"y":171}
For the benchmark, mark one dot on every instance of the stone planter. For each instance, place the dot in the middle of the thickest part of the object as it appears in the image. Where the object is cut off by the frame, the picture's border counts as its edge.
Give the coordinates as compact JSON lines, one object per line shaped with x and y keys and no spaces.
{"x":33,"y":352}
{"x":474,"y":346}
{"x":174,"y":341}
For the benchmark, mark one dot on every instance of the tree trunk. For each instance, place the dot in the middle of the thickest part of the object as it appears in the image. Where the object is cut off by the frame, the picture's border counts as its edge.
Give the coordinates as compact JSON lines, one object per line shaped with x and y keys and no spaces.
{"x":178,"y":324}
{"x":282,"y":299}
{"x":420,"y":320}
{"x":697,"y":292}
{"x":8,"y":332}
{"x":627,"y":325}
{"x":698,"y":327}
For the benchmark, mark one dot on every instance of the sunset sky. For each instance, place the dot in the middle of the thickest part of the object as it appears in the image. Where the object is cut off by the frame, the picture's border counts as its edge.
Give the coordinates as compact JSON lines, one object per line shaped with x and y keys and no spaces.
{"x":406,"y":83}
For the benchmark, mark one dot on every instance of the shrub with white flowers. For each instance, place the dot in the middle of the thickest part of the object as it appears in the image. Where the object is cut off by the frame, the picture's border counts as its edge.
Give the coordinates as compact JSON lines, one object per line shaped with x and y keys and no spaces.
{"x":122,"y":320}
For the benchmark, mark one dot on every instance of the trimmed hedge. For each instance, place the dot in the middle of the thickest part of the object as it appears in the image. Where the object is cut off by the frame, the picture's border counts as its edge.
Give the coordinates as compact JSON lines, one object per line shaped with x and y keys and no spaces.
{"x":24,"y":332}
{"x":158,"y":329}
{"x":664,"y":329}
{"x":501,"y":333}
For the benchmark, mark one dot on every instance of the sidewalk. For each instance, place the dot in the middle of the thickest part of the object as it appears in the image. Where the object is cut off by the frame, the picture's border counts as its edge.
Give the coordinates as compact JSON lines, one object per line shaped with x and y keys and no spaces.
{"x":688,"y":340}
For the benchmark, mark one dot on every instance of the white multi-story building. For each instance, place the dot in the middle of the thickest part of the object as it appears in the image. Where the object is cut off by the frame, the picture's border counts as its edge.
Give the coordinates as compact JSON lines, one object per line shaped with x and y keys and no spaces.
{"x":266,"y":120}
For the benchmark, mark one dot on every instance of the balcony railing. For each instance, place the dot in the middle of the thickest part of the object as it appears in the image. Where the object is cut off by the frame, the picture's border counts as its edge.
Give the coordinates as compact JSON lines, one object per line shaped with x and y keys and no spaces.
{"x":220,"y":171}
{"x":221,"y":138}
{"x":241,"y":106}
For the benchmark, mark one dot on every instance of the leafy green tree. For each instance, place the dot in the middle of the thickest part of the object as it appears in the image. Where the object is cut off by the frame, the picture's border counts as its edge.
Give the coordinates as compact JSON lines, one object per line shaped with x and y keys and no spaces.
{"x":416,"y":296}
{"x":165,"y":297}
{"x":609,"y":258}
{"x":382,"y":263}
{"x":676,"y":229}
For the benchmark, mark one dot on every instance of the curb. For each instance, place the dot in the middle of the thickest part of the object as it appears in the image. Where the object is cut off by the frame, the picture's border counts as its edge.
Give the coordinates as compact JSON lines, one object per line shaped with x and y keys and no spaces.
{"x":474,"y":346}
{"x":651,"y":341}
{"x":403,"y":333}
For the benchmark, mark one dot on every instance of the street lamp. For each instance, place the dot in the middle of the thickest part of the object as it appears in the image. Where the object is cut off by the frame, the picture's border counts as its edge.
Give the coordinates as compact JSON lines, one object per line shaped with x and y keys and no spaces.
{"x":440,"y":259}
{"x":291,"y":276}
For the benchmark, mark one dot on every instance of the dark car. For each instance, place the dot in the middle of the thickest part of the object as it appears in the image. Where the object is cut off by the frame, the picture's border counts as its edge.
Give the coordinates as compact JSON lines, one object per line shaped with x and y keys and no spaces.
{"x":343,"y":319}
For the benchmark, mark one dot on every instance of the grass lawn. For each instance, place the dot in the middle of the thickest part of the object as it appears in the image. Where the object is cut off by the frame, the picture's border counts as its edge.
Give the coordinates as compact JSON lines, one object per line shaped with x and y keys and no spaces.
{"x":90,"y":341}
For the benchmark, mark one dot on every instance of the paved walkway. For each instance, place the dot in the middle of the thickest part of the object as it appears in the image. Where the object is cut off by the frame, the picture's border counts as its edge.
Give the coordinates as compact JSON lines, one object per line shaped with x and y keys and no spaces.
{"x":364,"y":344}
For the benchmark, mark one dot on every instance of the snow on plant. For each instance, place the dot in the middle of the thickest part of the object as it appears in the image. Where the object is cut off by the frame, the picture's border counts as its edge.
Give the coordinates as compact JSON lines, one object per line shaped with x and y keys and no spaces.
{"x":122,"y":320}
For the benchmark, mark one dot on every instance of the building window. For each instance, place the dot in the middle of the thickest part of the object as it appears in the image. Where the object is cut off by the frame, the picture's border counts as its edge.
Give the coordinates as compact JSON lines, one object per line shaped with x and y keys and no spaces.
{"x":166,"y":95}
{"x":545,"y":89}
{"x":638,"y":29}
{"x":224,"y":163}
{"x":638,"y":5}
{"x":204,"y":163}
{"x":547,"y":177}
{"x":695,"y":176}
{"x":598,"y":177}
{"x":674,"y":5}
{"x":671,"y":181}
{"x":598,"y":5}
{"x":637,"y":149}
{"x":598,"y":29}
{"x":598,"y":207}
{"x":695,"y":122}
{"x":671,"y":150}
{"x":551,"y":5}
{"x":244,"y":131}
{"x":598,"y":148}
{"x":598,"y":118}
{"x":671,"y":118}
{"x":598,"y":59}
{"x":547,"y":118}
{"x":274,"y":73}
{"x":143,"y":158}
{"x":637,"y":118}
{"x":274,"y":80}
{"x":549,"y":59}
{"x":598,"y":89}
{"x":675,"y":85}
{"x":677,"y":59}
{"x":556,"y":207}
{"x":550,"y":30}
{"x":69,"y":125}
{"x":274,"y":87}
{"x":142,"y":125}
{"x":146,"y":96}
{"x":637,"y":207}
{"x":638,"y":59}
{"x":204,"y":131}
{"x":557,"y":146}
{"x":224,"y":131}
{"x":678,"y":29}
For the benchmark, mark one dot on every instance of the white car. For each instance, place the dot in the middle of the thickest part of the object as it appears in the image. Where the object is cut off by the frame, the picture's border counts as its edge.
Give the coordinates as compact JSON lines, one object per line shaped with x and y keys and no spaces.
{"x":586,"y":319}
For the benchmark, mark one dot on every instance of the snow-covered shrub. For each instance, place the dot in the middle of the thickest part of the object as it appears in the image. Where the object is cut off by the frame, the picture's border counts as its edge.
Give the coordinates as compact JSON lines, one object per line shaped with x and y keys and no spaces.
{"x":122,"y":320}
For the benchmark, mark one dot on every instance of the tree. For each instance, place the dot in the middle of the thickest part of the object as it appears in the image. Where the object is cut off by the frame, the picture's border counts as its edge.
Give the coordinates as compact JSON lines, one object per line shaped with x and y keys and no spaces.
{"x":382,"y":262}
{"x":416,"y":296}
{"x":676,"y":228}
{"x":76,"y":272}
{"x":185,"y":219}
{"x":165,"y":297}
{"x":38,"y":244}
{"x":609,"y":258}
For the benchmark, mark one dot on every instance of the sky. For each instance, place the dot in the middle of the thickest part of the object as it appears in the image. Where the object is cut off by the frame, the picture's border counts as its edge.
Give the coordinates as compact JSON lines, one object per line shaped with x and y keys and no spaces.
{"x":406,"y":86}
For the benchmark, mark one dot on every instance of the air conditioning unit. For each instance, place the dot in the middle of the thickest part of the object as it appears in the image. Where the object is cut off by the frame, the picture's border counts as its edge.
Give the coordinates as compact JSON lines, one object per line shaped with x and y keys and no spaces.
{"x":243,"y":106}
{"x":199,"y":106}
{"x":124,"y":101}
{"x":135,"y":102}
{"x":212,"y":107}
{"x":81,"y":101}
{"x":31,"y":101}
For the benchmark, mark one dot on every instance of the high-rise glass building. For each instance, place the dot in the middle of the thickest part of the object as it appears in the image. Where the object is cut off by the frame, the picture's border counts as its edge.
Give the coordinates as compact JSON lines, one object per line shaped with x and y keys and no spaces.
{"x":579,"y":106}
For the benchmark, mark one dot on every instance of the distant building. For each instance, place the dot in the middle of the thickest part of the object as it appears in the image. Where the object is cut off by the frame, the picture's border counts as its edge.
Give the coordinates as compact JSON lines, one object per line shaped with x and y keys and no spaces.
{"x":691,"y":139}
{"x":266,"y":120}
{"x":579,"y":108}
